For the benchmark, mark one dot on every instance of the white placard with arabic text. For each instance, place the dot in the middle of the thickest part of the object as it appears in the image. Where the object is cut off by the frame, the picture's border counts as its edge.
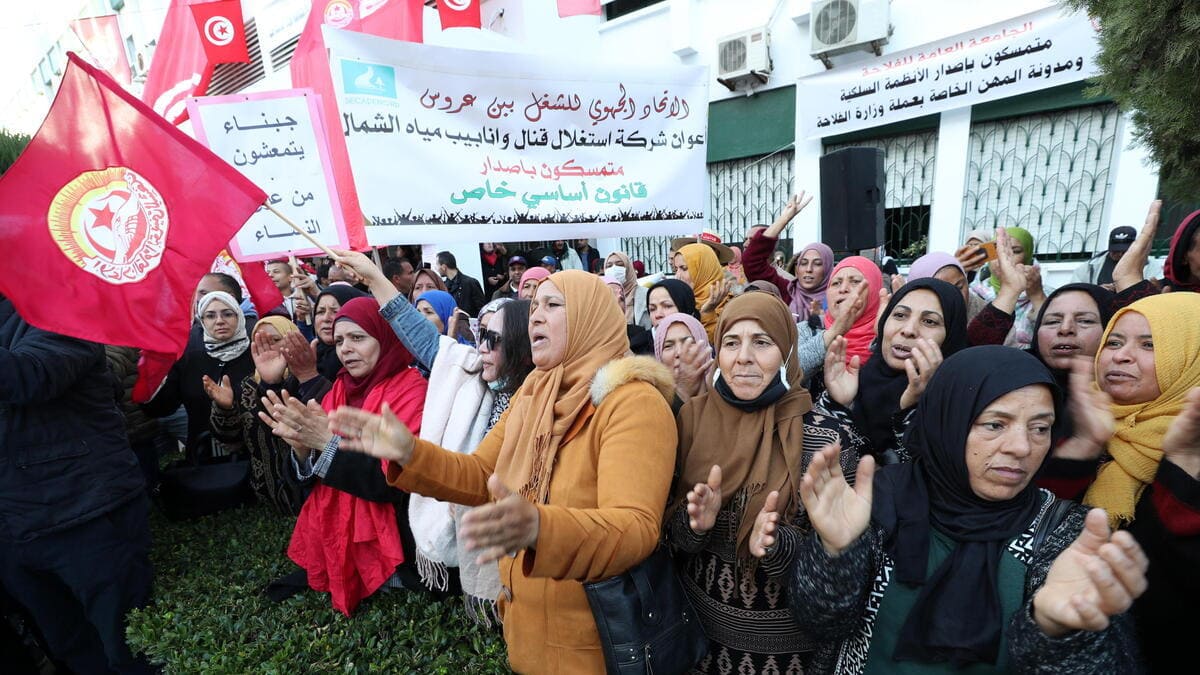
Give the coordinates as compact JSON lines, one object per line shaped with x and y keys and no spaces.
{"x":272,"y":139}
{"x":1043,"y":49}
{"x":449,"y":144}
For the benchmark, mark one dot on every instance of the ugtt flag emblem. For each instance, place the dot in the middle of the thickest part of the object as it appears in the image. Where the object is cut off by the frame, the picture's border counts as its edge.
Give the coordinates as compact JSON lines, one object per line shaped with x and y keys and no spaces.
{"x":121,"y":213}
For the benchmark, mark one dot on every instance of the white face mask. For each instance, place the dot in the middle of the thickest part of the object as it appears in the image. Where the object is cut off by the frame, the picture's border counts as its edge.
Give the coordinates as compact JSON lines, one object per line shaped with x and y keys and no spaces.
{"x":616,"y":272}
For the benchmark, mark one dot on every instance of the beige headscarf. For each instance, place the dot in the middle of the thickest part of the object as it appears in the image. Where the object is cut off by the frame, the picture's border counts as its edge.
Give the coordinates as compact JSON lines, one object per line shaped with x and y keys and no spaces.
{"x":629,"y":286}
{"x":705,"y":270}
{"x":550,"y":400}
{"x":759,"y":451}
{"x":1137,"y":446}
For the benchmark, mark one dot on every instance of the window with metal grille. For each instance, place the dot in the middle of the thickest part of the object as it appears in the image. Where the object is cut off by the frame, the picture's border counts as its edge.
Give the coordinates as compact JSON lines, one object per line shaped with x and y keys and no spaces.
{"x":1048,"y":173}
{"x":742,"y":192}
{"x":908,"y":169}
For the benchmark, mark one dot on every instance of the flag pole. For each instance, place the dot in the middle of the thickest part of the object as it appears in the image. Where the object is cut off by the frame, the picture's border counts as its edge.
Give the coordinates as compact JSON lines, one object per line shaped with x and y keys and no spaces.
{"x":301,"y":232}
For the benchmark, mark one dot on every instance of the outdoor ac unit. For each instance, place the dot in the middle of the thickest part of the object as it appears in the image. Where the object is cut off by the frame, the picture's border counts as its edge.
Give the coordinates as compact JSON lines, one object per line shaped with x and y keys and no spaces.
{"x":744,"y":56}
{"x":840,"y":26}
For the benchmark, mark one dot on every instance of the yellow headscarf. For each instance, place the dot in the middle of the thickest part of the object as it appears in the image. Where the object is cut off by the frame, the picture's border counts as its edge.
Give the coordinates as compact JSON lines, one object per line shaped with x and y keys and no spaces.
{"x":1137,"y":446}
{"x":551,"y":399}
{"x":279,"y":323}
{"x":704,"y":270}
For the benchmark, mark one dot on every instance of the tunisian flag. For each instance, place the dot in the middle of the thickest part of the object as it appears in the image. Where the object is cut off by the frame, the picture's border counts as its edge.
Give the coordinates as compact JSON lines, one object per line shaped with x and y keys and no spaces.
{"x":101,"y":36}
{"x":459,"y":14}
{"x":122,"y":213}
{"x":394,"y":19}
{"x":222,"y":33}
{"x":180,"y":67}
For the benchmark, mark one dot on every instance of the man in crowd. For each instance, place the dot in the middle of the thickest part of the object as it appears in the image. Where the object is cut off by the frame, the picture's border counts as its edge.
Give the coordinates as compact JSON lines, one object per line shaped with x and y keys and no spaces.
{"x":74,"y":535}
{"x":516,"y":267}
{"x":467,"y":292}
{"x":1099,"y":270}
{"x":588,"y":255}
{"x":402,"y":273}
{"x":550,"y":263}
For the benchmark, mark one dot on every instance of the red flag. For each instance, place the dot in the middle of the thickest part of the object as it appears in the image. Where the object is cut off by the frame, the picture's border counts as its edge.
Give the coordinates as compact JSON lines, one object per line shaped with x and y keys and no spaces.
{"x":101,"y":36}
{"x":576,"y":7}
{"x":253,"y":279}
{"x":394,"y":19}
{"x":459,"y":14}
{"x":179,"y":68}
{"x":122,"y":212}
{"x":222,"y":33}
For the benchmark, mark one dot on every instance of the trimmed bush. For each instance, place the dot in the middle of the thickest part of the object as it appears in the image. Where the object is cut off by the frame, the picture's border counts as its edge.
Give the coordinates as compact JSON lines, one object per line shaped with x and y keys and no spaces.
{"x":209,"y":612}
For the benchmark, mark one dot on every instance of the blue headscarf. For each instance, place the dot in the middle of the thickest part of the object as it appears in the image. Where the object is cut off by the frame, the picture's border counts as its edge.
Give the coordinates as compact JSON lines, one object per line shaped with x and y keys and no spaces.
{"x":443,"y":305}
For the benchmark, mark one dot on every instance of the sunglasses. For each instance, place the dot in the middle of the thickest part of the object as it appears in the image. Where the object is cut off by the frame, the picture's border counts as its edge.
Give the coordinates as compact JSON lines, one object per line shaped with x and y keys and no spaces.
{"x":490,"y":338}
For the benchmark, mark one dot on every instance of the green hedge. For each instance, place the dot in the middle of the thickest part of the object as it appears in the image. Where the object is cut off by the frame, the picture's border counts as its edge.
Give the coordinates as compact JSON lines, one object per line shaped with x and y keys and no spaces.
{"x":209,"y":613}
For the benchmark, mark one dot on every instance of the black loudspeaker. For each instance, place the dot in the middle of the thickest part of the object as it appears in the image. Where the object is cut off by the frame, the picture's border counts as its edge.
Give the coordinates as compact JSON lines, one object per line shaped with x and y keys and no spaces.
{"x":852,"y":188}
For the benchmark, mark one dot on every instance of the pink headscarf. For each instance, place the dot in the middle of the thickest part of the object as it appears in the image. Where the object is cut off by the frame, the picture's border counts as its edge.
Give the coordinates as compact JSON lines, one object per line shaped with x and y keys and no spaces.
{"x":538,"y":273}
{"x":802,"y":299}
{"x":694,"y":327}
{"x":932,"y":263}
{"x":862,"y":333}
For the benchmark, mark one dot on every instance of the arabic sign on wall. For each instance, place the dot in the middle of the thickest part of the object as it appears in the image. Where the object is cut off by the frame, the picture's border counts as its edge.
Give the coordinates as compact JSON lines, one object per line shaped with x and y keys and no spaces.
{"x":1031,"y":52}
{"x":447,"y":144}
{"x":270,"y":138}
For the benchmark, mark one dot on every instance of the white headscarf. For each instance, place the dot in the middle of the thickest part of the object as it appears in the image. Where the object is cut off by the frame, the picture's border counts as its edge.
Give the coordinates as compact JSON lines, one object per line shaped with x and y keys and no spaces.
{"x":235,"y":346}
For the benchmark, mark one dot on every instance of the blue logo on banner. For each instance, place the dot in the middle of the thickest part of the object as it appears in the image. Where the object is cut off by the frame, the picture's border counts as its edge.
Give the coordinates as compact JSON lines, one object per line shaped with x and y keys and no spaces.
{"x":369,"y":79}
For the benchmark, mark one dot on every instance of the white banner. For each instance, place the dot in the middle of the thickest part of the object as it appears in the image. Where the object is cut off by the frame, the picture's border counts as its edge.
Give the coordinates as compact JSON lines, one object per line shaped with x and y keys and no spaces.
{"x":446,"y":144}
{"x":1031,"y":52}
{"x":272,"y":139}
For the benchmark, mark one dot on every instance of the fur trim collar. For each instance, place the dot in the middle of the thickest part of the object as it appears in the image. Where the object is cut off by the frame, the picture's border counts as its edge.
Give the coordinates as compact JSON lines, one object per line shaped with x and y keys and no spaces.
{"x":632,"y":369}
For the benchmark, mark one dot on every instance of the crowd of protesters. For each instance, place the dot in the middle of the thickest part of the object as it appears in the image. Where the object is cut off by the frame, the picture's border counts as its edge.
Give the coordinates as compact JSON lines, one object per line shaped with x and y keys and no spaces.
{"x":854,"y":471}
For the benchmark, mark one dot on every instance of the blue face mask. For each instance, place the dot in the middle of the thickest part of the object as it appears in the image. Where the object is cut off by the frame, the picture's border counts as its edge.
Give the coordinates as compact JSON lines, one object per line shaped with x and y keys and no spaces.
{"x":497,"y":385}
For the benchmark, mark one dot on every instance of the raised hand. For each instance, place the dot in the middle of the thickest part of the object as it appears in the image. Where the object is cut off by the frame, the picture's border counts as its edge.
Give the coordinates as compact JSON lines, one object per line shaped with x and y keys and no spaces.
{"x":792,"y":207}
{"x":851,"y":311}
{"x":1130,"y":269}
{"x":704,"y":502}
{"x":897,"y":282}
{"x":841,"y":378}
{"x":885,"y":296}
{"x":971,"y":257}
{"x":304,"y":427}
{"x":1033,"y":284}
{"x":380,"y":435}
{"x":839,"y":513}
{"x":504,"y":527}
{"x":1098,"y":576}
{"x":358,"y":263}
{"x":221,"y":394}
{"x":1181,"y":444}
{"x":925,"y":359}
{"x":1009,"y":270}
{"x":299,"y":355}
{"x":268,"y":357}
{"x":1091,"y":414}
{"x":691,"y":369}
{"x":765,"y":526}
{"x":716,"y":293}
{"x":302,"y":310}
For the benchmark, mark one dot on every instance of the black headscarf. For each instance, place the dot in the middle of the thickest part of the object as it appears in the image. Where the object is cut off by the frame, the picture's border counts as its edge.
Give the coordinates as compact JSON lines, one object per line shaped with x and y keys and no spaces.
{"x":328,"y":364}
{"x":879,"y":385}
{"x":681,"y":294}
{"x":957,"y":614}
{"x":1104,"y":303}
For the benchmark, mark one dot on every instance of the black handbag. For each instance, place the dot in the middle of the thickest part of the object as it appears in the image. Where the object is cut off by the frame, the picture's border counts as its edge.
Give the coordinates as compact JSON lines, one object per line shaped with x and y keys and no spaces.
{"x":645,"y":620}
{"x":191,"y":489}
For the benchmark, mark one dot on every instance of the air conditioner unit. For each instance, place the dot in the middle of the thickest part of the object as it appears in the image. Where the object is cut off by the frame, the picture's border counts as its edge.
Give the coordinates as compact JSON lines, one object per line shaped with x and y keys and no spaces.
{"x":744,"y":56}
{"x":840,"y":26}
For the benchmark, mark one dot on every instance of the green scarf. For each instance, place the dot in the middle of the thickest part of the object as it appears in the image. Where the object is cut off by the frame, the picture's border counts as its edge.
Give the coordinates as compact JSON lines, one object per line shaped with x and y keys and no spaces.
{"x":1022,"y":235}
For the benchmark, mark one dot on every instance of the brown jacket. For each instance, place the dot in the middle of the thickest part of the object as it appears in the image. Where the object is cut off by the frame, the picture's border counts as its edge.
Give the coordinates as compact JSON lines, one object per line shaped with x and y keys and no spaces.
{"x":607,"y":495}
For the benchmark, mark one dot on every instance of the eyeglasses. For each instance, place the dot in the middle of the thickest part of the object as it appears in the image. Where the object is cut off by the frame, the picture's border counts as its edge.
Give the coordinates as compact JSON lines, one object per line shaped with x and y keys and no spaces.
{"x":490,"y":338}
{"x":226,"y":314}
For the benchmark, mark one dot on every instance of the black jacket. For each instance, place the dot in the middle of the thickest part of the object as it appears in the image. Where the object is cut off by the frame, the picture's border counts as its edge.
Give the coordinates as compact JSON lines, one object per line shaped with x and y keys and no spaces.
{"x":64,"y":456}
{"x":467,"y":292}
{"x":185,"y":386}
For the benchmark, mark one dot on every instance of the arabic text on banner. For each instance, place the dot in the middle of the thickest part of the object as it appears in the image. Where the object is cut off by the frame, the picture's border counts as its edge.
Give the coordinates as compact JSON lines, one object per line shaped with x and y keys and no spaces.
{"x":271,"y":138}
{"x":1027,"y":53}
{"x":446,"y":144}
